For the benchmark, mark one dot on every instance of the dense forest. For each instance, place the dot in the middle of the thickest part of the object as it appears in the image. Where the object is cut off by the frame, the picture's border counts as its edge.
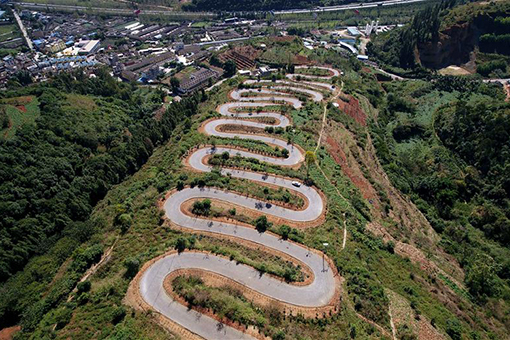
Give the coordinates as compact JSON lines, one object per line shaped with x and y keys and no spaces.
{"x":479,"y":133}
{"x":447,"y":145}
{"x":397,"y":47}
{"x":91,"y":133}
{"x":458,"y":30}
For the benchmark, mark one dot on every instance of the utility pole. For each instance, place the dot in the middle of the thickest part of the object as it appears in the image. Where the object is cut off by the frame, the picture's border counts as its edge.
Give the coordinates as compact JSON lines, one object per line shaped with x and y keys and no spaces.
{"x":325,"y":244}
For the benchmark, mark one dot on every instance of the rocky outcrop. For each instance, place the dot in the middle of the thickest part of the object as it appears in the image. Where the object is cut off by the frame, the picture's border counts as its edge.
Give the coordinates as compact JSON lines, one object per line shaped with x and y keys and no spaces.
{"x":453,"y":46}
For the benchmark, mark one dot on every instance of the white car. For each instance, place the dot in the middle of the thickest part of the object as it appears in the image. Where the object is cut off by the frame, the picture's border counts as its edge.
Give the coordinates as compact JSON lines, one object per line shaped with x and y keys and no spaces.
{"x":296,"y":184}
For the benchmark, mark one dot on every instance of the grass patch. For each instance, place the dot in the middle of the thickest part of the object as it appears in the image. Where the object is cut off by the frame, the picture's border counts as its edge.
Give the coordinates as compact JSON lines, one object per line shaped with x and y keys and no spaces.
{"x":81,"y":102}
{"x":8,"y":32}
{"x":19,"y":112}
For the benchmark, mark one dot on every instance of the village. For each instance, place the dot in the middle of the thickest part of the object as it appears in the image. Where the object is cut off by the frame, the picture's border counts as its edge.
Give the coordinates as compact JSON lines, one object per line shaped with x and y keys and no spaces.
{"x":176,"y":55}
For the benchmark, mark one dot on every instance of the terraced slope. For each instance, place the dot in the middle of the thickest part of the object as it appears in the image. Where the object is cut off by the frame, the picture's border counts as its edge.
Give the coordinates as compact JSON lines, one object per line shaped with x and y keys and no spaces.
{"x":322,"y":290}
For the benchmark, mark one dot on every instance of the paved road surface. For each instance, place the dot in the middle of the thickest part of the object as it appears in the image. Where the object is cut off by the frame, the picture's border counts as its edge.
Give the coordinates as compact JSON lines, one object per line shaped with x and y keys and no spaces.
{"x":23,"y":30}
{"x":121,"y":11}
{"x":348,"y":7}
{"x":317,"y":294}
{"x":114,"y":11}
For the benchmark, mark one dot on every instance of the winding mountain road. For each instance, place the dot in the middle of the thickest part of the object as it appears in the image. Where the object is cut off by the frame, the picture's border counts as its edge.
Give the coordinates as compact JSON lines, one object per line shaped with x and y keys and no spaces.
{"x":323,"y":287}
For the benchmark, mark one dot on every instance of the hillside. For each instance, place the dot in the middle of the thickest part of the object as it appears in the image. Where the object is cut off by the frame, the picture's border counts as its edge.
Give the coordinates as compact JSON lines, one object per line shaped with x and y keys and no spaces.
{"x":64,"y":146}
{"x":475,"y":35}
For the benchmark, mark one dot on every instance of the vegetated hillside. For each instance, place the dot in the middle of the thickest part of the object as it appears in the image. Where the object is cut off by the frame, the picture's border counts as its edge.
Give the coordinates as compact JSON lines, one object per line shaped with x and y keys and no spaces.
{"x":446,"y":144}
{"x":446,"y":34}
{"x":90,"y":134}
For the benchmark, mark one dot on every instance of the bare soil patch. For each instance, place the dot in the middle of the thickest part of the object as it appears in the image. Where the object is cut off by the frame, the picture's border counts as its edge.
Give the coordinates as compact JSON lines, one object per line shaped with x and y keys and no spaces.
{"x":301,"y":60}
{"x":158,"y":115}
{"x":286,"y":38}
{"x":336,"y":143}
{"x":454,"y":70}
{"x":8,"y":332}
{"x":352,"y":108}
{"x":15,"y":101}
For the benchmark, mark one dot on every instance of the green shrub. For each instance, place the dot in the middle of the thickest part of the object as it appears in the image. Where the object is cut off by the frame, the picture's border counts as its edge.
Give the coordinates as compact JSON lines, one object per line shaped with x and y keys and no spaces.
{"x":132,"y":265}
{"x":454,"y":329}
{"x":83,"y":287}
{"x":262,"y":224}
{"x":202,"y":208}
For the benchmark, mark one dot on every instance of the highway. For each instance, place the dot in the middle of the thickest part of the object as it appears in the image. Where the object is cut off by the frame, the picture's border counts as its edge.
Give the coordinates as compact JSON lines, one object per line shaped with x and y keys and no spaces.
{"x":114,"y":11}
{"x":123,"y":11}
{"x":324,"y":285}
{"x":348,"y":7}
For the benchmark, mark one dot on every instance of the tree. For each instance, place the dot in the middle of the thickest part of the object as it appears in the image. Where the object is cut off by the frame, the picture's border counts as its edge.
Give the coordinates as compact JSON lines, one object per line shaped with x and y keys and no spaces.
{"x":23,"y":77}
{"x":202,"y":208}
{"x":181,"y":244}
{"x":4,"y":119}
{"x":125,"y":221}
{"x":454,"y":329}
{"x":262,"y":224}
{"x":309,"y":160}
{"x":215,"y":61}
{"x":284,"y":231}
{"x":175,"y":84}
{"x":280,"y":335}
{"x":481,"y":278}
{"x":83,"y":287}
{"x":132,"y":264}
{"x":230,"y":68}
{"x":352,"y":333}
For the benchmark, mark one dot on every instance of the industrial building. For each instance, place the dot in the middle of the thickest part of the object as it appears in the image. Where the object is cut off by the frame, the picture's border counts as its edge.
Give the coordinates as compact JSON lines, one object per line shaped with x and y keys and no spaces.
{"x":87,"y":46}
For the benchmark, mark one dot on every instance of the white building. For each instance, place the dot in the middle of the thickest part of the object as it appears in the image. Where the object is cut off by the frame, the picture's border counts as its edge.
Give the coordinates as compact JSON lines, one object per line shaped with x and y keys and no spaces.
{"x":87,"y":46}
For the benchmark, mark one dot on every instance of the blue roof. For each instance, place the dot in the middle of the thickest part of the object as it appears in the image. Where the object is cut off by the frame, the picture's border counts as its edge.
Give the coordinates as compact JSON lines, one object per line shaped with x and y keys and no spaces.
{"x":38,"y":41}
{"x":2,"y":13}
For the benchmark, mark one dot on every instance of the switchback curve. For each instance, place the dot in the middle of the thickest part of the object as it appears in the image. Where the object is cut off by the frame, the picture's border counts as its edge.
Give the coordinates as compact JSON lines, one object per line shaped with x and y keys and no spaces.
{"x":323,"y":288}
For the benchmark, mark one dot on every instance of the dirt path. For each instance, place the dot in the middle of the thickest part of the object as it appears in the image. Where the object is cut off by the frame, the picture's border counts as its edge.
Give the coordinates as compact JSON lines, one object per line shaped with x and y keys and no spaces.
{"x":104,"y":259}
{"x":392,"y":324}
{"x":345,"y":234}
{"x":322,"y":128}
{"x":324,"y":116}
